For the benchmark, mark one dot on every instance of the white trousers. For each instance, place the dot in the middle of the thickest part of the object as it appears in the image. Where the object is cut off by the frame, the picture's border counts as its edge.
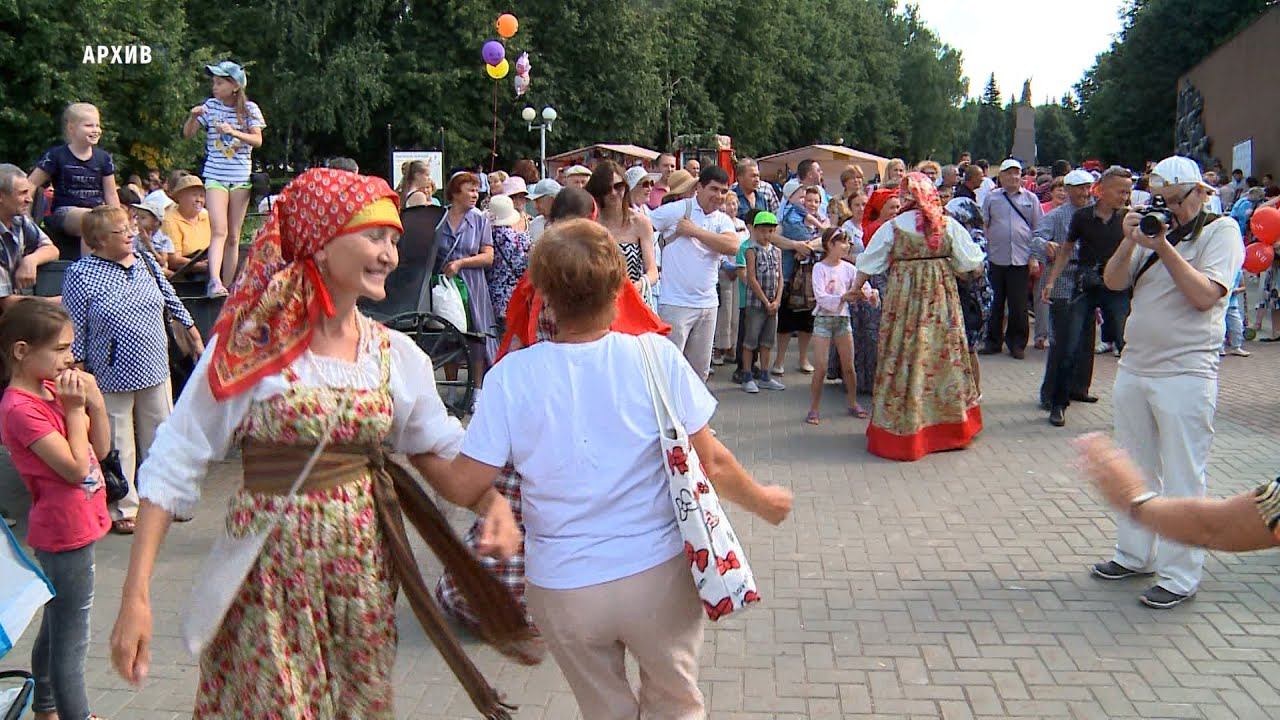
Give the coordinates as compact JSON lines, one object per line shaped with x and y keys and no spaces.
{"x":1166,"y":424}
{"x":135,"y":417}
{"x":692,"y":330}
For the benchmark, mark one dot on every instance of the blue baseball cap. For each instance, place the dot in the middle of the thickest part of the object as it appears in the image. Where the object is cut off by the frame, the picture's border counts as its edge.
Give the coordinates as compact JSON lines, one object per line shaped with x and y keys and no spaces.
{"x":228,"y":69}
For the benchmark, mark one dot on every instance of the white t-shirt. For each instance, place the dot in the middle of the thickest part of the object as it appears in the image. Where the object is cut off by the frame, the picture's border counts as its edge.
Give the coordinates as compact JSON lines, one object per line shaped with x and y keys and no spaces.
{"x":688,"y":266}
{"x":537,"y":226}
{"x":984,"y":190}
{"x":577,"y":421}
{"x":1165,"y":335}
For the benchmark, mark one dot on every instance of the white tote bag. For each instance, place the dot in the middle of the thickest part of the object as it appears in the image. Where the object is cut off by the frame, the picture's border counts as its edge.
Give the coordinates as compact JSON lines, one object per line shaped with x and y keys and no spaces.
{"x":719,"y":566}
{"x":23,"y":590}
{"x":446,"y":301}
{"x":228,"y":564}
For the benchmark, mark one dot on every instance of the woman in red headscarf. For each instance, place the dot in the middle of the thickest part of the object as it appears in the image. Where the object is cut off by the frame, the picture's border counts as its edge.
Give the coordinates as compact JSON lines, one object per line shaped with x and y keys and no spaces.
{"x":865,"y":316}
{"x":309,"y":389}
{"x":925,"y":398}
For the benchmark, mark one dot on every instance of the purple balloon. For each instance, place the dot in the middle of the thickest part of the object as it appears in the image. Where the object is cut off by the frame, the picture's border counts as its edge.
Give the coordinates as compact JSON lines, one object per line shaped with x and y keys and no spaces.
{"x":493,"y":52}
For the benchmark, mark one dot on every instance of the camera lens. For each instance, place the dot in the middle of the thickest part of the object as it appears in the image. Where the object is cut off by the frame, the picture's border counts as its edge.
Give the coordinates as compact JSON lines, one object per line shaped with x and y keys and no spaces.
{"x":1150,"y":225}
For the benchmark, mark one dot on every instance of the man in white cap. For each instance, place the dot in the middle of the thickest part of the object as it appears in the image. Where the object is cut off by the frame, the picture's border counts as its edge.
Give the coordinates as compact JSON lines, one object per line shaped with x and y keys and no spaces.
{"x":1012,"y":214}
{"x":577,"y":176}
{"x":543,"y":193}
{"x":1059,"y":290}
{"x":1181,"y":268}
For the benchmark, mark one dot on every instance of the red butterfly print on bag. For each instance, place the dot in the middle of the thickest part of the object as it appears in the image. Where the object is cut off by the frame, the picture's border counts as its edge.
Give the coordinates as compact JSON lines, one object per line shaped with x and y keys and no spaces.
{"x":719,"y":610}
{"x":751,"y":596}
{"x":699,"y":557}
{"x":702,"y":487}
{"x":678,"y":461}
{"x":728,"y":562}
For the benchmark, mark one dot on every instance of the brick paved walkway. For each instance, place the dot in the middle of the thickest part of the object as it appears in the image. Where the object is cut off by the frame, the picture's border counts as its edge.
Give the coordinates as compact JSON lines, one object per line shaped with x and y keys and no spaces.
{"x":954,"y":587}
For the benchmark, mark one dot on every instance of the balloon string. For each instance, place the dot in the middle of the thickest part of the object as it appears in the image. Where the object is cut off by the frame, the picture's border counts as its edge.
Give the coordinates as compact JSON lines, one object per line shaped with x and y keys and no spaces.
{"x":493,"y":152}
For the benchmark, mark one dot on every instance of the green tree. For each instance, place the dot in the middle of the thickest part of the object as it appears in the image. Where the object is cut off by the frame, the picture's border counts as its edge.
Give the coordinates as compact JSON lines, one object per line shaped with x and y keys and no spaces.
{"x":1129,"y":97}
{"x":989,"y":138}
{"x":1054,"y":139}
{"x":42,"y":48}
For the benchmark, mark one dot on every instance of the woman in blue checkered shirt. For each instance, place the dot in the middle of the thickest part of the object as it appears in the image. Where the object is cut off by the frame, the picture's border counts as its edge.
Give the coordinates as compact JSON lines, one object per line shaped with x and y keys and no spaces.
{"x":117,"y":299}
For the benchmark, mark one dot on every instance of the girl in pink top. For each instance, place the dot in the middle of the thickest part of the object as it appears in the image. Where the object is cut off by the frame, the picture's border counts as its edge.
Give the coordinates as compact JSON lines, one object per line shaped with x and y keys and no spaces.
{"x":55,"y":425}
{"x":832,"y":280}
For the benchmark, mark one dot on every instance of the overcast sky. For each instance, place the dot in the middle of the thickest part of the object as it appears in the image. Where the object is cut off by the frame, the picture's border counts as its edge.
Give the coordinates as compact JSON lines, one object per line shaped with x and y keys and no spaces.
{"x":1050,"y":41}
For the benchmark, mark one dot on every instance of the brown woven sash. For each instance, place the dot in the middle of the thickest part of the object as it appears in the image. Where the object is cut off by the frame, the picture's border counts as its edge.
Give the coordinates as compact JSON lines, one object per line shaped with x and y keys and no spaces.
{"x":398,"y":495}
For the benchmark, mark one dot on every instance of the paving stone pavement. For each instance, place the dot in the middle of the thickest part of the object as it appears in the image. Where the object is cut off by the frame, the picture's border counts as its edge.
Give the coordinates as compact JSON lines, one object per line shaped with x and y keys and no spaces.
{"x":954,"y":587}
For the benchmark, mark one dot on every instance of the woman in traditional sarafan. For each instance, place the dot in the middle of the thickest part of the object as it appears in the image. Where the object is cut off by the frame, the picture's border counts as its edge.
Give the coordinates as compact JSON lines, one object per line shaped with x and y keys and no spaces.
{"x":925,"y":398}
{"x":293,"y":365}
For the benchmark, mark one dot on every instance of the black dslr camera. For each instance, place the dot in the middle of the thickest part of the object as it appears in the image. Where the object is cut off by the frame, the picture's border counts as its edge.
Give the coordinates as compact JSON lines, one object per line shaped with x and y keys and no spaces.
{"x":1155,"y":217}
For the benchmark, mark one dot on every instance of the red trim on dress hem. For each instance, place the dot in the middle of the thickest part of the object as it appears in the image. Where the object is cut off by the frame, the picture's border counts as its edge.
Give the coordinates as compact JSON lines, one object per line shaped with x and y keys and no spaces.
{"x":931,"y":439}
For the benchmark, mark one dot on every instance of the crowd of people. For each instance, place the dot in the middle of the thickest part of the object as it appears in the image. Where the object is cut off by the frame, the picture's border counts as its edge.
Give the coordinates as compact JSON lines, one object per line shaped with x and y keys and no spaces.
{"x":894,"y":287}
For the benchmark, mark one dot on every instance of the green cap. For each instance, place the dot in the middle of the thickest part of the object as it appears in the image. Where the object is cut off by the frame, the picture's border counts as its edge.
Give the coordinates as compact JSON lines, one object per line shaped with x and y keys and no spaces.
{"x":764,"y":217}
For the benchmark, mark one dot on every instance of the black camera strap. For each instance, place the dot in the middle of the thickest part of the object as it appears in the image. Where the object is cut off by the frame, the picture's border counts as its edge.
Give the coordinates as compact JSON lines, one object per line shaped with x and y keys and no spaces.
{"x":1186,"y":232}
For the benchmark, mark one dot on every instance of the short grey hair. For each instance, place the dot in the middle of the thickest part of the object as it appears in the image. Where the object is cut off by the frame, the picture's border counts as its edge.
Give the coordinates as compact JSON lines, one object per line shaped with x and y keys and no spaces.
{"x":9,"y":173}
{"x":745,"y":163}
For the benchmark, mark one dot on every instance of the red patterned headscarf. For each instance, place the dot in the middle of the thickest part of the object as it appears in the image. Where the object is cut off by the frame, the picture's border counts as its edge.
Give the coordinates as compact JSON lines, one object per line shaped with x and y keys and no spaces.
{"x":268,"y":319}
{"x":920,"y":194}
{"x":871,"y":212}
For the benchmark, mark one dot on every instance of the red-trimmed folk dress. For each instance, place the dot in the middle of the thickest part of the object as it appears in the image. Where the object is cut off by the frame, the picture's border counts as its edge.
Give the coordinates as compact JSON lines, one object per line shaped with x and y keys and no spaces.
{"x":925,"y":398}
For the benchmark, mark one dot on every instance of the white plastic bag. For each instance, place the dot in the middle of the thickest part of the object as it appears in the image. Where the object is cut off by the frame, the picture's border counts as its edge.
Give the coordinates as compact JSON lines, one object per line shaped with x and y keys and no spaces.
{"x":446,"y":301}
{"x":23,"y":590}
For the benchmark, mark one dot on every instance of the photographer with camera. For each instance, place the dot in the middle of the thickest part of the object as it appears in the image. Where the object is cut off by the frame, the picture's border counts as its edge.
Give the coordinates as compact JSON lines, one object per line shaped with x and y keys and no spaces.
{"x":1097,"y":231}
{"x":1181,"y":263}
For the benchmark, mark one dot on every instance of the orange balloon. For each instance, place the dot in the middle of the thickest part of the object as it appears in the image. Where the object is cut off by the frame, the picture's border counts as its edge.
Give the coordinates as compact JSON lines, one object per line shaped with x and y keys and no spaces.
{"x":507,"y":25}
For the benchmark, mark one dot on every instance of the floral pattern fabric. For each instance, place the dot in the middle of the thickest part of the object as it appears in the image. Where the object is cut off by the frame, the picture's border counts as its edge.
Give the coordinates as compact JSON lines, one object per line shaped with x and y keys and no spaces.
{"x":312,"y":633}
{"x":510,"y":260}
{"x":925,"y":398}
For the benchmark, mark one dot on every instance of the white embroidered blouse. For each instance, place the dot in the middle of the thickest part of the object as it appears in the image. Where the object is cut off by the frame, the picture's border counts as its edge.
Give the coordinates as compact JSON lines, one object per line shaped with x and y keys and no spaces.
{"x":202,"y":429}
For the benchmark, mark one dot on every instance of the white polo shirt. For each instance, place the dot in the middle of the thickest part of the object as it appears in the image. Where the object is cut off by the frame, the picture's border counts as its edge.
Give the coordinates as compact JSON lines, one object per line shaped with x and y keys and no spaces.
{"x":688,"y":266}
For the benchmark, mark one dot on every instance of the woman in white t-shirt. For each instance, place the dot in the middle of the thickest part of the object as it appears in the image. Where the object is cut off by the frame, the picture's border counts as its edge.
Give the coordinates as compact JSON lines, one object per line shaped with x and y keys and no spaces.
{"x":604,"y":558}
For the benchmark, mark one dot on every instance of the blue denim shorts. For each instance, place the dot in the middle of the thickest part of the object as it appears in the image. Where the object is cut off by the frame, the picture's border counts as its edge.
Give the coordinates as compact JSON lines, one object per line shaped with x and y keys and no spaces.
{"x":831,"y":326}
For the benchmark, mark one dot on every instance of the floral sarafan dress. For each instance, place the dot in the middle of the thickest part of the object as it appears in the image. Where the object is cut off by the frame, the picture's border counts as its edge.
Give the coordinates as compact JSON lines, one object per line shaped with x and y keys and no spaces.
{"x":925,"y":398}
{"x":311,"y":635}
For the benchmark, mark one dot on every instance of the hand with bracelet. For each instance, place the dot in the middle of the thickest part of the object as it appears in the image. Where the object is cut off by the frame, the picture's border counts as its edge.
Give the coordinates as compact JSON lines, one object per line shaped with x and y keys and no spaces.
{"x":1235,"y":524}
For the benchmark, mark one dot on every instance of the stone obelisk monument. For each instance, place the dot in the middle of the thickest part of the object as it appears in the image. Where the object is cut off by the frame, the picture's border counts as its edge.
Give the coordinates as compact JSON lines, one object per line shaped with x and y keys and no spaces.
{"x":1024,"y":128}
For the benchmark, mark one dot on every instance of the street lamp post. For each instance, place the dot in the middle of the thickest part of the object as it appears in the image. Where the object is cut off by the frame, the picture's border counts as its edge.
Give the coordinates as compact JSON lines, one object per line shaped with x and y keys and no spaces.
{"x":548,"y":118}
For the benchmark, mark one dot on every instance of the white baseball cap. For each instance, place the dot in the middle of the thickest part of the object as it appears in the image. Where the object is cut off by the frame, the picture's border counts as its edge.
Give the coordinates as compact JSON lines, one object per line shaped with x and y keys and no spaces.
{"x":546,"y":187}
{"x":1009,"y":164}
{"x":1176,"y":170}
{"x":1078,"y":177}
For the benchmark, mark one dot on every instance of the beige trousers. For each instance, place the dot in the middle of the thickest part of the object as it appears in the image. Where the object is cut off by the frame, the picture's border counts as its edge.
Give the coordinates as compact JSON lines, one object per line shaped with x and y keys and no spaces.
{"x":656,"y":614}
{"x":135,"y":417}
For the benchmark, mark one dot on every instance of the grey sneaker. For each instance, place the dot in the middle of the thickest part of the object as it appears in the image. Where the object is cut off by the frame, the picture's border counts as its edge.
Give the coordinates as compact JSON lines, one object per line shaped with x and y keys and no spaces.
{"x":750,"y":386}
{"x":1239,"y":352}
{"x":1112,"y":570}
{"x":771,"y":383}
{"x":1161,"y":599}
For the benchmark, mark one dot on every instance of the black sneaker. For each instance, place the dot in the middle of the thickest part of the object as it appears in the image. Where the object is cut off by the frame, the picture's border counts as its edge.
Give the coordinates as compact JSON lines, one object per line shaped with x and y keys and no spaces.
{"x":1058,"y":416}
{"x":1112,"y":570}
{"x":1083,"y":398}
{"x":1161,"y":599}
